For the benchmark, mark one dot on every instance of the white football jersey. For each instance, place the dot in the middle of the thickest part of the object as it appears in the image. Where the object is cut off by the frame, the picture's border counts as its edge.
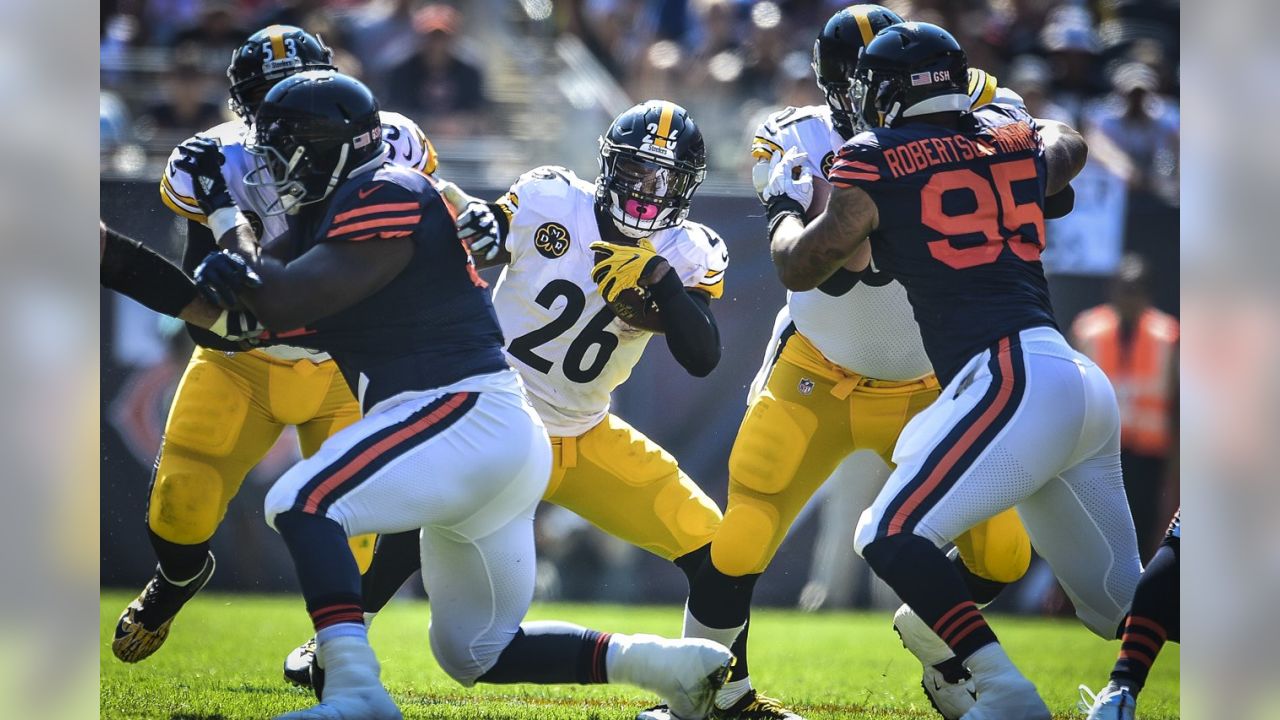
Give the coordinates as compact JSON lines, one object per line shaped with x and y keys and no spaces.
{"x":407,"y":144}
{"x":869,"y":330}
{"x":569,"y":348}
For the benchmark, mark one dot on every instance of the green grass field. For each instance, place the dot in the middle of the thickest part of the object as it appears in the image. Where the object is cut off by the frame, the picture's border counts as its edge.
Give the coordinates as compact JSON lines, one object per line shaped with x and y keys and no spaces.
{"x":222,"y":661}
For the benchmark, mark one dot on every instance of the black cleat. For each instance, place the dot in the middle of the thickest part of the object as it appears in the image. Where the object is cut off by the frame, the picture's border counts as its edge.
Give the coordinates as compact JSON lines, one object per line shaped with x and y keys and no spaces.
{"x":144,"y":625}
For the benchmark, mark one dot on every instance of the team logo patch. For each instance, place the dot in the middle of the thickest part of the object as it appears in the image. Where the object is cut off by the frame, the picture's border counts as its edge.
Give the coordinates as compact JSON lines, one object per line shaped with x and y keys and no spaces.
{"x":552,"y":240}
{"x":806,"y":386}
{"x":827,"y":161}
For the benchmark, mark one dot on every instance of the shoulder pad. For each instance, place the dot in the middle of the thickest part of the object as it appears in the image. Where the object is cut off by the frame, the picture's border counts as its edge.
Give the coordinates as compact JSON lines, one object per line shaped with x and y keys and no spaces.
{"x":777,"y":133}
{"x":545,"y":190}
{"x":176,"y":189}
{"x":387,"y":204}
{"x":409,"y":145}
{"x":861,"y":160}
{"x":701,"y":257}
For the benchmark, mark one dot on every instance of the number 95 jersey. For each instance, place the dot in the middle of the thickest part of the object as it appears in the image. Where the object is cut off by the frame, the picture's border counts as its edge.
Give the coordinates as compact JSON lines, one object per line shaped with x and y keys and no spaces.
{"x":567,"y":344}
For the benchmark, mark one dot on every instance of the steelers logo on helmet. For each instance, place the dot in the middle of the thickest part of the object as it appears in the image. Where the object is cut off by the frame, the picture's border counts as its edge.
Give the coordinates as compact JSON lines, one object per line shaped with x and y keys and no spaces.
{"x":269,"y":56}
{"x":552,"y":240}
{"x":652,"y":160}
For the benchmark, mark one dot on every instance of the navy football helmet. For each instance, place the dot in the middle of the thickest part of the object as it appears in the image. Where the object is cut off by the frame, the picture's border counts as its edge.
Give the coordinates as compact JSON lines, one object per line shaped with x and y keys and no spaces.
{"x":652,"y":160}
{"x":910,"y":69}
{"x":313,"y":130}
{"x":269,"y":56}
{"x":835,"y":56}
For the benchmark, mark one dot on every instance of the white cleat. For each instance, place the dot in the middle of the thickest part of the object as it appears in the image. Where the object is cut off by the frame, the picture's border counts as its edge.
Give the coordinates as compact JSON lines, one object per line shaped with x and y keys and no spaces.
{"x":1115,"y":702}
{"x":352,"y":690}
{"x":1003,"y":692}
{"x":947,"y":684}
{"x":685,"y":673}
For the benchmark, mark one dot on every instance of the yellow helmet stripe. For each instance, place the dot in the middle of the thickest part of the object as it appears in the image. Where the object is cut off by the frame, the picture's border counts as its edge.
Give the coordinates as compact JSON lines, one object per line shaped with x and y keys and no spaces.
{"x":859,"y":13}
{"x":277,"y":43}
{"x":664,"y":124}
{"x":982,"y":88}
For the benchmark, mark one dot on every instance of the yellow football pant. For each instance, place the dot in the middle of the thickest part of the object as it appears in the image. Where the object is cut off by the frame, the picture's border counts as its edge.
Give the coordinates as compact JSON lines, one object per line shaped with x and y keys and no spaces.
{"x":228,"y":411}
{"x":810,"y":416}
{"x":623,"y":483}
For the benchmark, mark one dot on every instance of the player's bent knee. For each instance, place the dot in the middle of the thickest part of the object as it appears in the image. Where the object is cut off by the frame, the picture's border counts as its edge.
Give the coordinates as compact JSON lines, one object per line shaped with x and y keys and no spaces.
{"x":771,"y":445}
{"x":746,"y":539}
{"x":187,"y":500}
{"x":464,"y":661}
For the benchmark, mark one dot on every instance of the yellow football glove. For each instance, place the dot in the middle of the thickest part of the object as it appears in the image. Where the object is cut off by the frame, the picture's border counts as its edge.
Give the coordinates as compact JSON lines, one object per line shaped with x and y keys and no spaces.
{"x":619,"y":267}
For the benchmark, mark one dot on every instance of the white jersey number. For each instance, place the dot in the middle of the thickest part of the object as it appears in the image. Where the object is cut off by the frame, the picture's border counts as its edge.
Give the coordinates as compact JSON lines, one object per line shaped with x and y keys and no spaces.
{"x":593,"y":335}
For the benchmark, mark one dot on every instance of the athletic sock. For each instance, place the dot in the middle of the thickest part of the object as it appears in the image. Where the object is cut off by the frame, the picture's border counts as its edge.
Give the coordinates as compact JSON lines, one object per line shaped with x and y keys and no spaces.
{"x":1153,"y":619}
{"x":923,"y":577}
{"x":179,"y":564}
{"x":326,"y":569}
{"x":396,"y":558}
{"x":554,"y":653}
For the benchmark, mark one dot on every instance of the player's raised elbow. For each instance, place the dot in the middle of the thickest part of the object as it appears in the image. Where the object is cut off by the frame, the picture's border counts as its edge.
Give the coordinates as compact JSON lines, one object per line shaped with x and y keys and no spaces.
{"x":701,"y":363}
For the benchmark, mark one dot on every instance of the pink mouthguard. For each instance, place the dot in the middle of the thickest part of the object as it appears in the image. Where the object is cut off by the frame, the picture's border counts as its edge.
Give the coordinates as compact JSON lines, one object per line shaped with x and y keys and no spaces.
{"x":637,"y":209}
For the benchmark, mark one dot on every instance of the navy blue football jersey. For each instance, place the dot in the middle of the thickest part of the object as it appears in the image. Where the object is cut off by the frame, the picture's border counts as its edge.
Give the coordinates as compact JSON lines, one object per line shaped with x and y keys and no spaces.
{"x":961,"y":226}
{"x":433,"y":324}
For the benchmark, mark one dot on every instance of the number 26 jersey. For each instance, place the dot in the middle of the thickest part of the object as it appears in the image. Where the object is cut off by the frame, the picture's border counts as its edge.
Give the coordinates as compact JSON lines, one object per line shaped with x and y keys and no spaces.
{"x":568,"y":346}
{"x":961,"y":225}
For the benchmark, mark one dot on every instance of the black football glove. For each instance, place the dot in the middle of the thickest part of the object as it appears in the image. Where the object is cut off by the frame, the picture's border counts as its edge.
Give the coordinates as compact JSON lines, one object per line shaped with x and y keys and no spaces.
{"x":221,"y":275}
{"x":202,"y":160}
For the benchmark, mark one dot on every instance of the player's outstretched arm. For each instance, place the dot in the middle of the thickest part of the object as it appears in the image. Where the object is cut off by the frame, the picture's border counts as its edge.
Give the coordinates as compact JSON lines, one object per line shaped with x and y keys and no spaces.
{"x":1065,"y":153}
{"x":805,"y":256}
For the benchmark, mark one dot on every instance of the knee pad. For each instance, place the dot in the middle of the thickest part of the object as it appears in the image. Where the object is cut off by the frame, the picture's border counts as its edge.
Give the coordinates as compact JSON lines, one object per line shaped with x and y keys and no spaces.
{"x":464,"y":661}
{"x":187,"y":501}
{"x":997,"y":549}
{"x":771,"y":444}
{"x":746,"y":539}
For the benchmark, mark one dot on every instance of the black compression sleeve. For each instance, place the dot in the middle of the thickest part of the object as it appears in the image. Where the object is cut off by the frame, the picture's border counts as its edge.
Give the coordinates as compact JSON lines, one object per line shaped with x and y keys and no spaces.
{"x":1060,"y":204}
{"x":501,"y":216}
{"x":134,"y":270}
{"x":691,"y":331}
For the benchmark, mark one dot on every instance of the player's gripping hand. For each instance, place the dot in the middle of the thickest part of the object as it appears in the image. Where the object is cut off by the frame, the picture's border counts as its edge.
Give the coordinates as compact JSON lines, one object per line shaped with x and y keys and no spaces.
{"x":621,"y":267}
{"x":790,"y":184}
{"x":202,"y":160}
{"x":223,"y":274}
{"x":477,"y":226}
{"x":237,"y":325}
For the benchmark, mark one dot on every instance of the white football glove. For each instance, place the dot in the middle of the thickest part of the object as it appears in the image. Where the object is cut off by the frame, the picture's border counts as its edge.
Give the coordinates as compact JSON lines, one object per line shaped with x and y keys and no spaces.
{"x":477,"y":226}
{"x":788,"y":175}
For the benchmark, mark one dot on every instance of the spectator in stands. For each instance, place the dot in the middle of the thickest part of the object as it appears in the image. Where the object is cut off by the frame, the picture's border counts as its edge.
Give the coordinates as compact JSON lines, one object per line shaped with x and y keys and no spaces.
{"x":1144,"y":126}
{"x":1072,"y":43}
{"x":1137,"y":346}
{"x":216,"y":32}
{"x":381,"y":35}
{"x":437,"y":86}
{"x":1031,"y":77}
{"x":187,"y":106}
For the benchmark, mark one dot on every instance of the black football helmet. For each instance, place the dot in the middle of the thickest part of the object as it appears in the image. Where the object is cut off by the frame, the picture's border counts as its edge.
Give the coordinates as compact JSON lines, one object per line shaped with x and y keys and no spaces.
{"x":269,"y":56}
{"x":835,"y":56}
{"x":652,"y":160}
{"x":313,"y":130}
{"x":910,"y":69}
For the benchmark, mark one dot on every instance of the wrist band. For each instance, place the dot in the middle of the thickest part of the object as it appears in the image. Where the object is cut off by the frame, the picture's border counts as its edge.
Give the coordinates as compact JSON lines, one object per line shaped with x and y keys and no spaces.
{"x":224,"y":220}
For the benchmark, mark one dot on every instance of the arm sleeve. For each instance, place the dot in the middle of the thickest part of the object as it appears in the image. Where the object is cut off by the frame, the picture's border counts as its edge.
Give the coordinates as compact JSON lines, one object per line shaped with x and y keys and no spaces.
{"x":691,"y":331}
{"x":136,"y":271}
{"x":860,"y":163}
{"x":377,"y":209}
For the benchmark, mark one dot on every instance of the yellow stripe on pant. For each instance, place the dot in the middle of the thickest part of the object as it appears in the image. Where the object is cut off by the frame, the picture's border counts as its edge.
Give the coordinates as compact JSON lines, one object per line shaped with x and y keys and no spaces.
{"x":229,"y":409}
{"x":811,"y":415}
{"x":623,"y":483}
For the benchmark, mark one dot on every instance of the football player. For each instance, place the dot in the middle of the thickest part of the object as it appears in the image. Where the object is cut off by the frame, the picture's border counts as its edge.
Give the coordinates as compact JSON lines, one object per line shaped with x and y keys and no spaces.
{"x":576,"y":256}
{"x":845,"y":371}
{"x":372,"y":270}
{"x":952,"y":200}
{"x":1154,"y":619}
{"x":231,"y":406}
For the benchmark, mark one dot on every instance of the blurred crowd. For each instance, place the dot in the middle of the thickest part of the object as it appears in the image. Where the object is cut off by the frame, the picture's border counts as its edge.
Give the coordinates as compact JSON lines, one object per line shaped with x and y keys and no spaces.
{"x":1109,"y":67}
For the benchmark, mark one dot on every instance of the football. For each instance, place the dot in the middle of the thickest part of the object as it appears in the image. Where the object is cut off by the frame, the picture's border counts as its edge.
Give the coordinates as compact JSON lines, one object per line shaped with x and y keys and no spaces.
{"x":634,"y":307}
